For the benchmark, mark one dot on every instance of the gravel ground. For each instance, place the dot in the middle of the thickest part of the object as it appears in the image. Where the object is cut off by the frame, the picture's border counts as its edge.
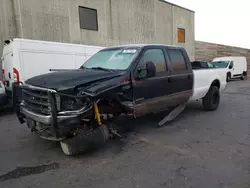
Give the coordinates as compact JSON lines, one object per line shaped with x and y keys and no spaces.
{"x":199,"y":149}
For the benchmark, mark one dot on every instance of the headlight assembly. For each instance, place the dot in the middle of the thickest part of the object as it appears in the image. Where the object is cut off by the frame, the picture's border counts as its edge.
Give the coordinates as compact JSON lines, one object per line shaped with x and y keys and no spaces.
{"x":73,"y":104}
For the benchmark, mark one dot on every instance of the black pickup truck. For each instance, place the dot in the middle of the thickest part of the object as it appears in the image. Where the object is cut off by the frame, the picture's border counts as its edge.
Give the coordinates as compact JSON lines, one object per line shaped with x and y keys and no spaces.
{"x":76,"y":107}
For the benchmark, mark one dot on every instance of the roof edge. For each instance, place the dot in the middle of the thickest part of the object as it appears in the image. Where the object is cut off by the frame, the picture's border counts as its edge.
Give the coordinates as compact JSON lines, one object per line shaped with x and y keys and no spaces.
{"x":220,"y":44}
{"x":177,"y":5}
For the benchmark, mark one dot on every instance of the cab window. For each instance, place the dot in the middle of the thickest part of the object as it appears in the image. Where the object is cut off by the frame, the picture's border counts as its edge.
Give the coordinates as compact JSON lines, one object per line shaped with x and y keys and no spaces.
{"x":177,"y":60}
{"x":157,"y":57}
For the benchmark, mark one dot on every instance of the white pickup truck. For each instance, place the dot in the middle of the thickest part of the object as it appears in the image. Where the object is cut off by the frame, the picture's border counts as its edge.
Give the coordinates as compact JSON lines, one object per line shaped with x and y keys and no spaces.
{"x":70,"y":106}
{"x":204,"y":77}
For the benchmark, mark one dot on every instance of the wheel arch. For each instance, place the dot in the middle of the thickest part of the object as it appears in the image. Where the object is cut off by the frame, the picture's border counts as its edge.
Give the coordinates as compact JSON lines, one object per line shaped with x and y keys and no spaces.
{"x":216,"y":83}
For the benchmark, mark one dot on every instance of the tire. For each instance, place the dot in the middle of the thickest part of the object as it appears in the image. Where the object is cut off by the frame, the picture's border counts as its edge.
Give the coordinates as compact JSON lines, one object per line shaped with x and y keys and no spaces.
{"x":67,"y":149}
{"x":84,"y":142}
{"x":228,"y":77}
{"x":243,"y":77}
{"x":212,"y":99}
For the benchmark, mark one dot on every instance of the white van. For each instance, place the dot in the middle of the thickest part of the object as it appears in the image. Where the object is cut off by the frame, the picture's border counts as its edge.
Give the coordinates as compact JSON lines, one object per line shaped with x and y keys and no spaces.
{"x":3,"y":97}
{"x":23,"y":59}
{"x":236,"y":66}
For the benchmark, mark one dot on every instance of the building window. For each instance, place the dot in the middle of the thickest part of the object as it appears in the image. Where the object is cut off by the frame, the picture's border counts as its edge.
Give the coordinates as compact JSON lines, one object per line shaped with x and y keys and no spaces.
{"x":88,"y":18}
{"x":181,"y":35}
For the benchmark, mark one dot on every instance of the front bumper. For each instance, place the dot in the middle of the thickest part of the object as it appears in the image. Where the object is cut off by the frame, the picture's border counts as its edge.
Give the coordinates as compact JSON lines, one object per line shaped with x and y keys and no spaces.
{"x":47,"y":120}
{"x":57,"y":123}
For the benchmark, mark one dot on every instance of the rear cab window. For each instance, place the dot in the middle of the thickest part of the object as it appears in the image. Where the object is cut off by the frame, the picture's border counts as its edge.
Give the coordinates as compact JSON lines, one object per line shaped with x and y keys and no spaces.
{"x":177,"y":60}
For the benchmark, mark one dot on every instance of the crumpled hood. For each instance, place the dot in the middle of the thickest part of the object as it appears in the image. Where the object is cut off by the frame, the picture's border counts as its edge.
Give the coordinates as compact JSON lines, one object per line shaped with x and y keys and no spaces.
{"x":64,"y":80}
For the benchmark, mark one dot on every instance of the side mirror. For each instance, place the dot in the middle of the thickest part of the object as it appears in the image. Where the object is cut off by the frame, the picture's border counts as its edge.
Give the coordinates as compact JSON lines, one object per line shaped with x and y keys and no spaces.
{"x":149,"y":71}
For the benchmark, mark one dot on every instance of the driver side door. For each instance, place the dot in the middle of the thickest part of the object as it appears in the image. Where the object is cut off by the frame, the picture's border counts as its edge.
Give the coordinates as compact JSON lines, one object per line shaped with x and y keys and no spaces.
{"x":148,"y":91}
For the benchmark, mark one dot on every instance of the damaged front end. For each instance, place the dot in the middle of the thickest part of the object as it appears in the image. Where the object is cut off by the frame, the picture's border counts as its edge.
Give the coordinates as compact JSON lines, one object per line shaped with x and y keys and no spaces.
{"x":74,"y":112}
{"x":59,"y":116}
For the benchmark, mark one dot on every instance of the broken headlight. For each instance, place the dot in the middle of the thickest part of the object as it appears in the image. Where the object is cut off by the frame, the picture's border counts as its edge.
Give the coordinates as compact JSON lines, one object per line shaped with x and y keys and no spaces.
{"x":73,"y":104}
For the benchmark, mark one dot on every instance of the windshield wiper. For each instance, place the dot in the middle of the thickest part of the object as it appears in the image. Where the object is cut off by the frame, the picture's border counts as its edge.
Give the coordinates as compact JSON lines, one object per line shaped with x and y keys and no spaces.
{"x":100,"y":68}
{"x":82,"y":67}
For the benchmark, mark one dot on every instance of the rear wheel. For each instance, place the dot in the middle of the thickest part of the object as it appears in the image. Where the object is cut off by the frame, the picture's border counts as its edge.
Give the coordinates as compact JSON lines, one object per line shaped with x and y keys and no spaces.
{"x":243,"y":77}
{"x":212,"y":99}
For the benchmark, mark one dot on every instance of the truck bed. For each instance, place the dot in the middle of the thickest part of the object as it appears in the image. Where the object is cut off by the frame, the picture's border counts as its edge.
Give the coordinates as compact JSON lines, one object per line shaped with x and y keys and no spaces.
{"x":204,"y":77}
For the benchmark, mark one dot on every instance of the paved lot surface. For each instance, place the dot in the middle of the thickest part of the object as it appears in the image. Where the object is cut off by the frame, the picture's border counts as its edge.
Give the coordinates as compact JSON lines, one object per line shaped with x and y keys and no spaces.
{"x":199,"y":149}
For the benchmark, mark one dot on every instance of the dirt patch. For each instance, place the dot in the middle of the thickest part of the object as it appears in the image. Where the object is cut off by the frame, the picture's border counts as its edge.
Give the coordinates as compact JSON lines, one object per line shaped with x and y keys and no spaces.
{"x":26,"y":171}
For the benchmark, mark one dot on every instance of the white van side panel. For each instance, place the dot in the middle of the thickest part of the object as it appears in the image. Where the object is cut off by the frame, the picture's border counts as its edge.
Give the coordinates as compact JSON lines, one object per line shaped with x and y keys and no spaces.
{"x":17,"y":63}
{"x":37,"y":63}
{"x":33,"y":57}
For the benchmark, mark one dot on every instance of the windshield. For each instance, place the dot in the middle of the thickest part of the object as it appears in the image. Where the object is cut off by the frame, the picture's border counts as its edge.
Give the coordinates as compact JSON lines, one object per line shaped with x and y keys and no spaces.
{"x":221,"y":64}
{"x":112,"y":59}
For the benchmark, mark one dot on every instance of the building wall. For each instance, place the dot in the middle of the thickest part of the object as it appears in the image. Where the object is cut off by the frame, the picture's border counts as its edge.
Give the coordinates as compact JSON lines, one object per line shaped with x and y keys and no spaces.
{"x":119,"y":22}
{"x":8,"y":27}
{"x":7,"y":21}
{"x":208,"y":51}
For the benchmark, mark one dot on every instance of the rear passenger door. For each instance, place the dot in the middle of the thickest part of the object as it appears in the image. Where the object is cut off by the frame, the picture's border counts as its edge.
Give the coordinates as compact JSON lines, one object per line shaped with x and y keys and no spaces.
{"x":181,"y":74}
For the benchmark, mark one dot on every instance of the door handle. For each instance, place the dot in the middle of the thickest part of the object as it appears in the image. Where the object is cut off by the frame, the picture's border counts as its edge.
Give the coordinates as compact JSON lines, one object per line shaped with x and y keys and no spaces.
{"x":170,"y":79}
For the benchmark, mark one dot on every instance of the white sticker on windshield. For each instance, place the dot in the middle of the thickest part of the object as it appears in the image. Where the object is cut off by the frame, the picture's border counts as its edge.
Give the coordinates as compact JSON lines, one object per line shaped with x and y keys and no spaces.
{"x":129,"y":51}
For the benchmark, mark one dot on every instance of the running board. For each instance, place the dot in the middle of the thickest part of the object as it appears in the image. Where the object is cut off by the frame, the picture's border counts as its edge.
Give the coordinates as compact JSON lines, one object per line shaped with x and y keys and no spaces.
{"x":172,"y":115}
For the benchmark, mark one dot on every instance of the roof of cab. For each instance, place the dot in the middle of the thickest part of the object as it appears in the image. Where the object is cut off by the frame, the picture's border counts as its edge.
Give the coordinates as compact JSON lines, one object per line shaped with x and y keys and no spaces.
{"x":229,"y":58}
{"x":142,"y":45}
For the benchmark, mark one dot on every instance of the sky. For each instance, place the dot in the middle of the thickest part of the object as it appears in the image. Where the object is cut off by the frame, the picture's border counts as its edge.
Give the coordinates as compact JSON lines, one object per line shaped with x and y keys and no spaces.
{"x":220,"y":21}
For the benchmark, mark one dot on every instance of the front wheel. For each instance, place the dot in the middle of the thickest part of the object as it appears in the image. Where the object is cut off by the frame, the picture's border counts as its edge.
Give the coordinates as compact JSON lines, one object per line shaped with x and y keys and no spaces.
{"x":86,"y":141}
{"x":228,"y":77}
{"x":68,"y":149}
{"x":212,"y":99}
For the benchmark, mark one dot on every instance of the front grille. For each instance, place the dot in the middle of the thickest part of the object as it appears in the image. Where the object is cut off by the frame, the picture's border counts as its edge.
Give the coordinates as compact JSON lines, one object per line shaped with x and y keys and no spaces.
{"x":37,"y":101}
